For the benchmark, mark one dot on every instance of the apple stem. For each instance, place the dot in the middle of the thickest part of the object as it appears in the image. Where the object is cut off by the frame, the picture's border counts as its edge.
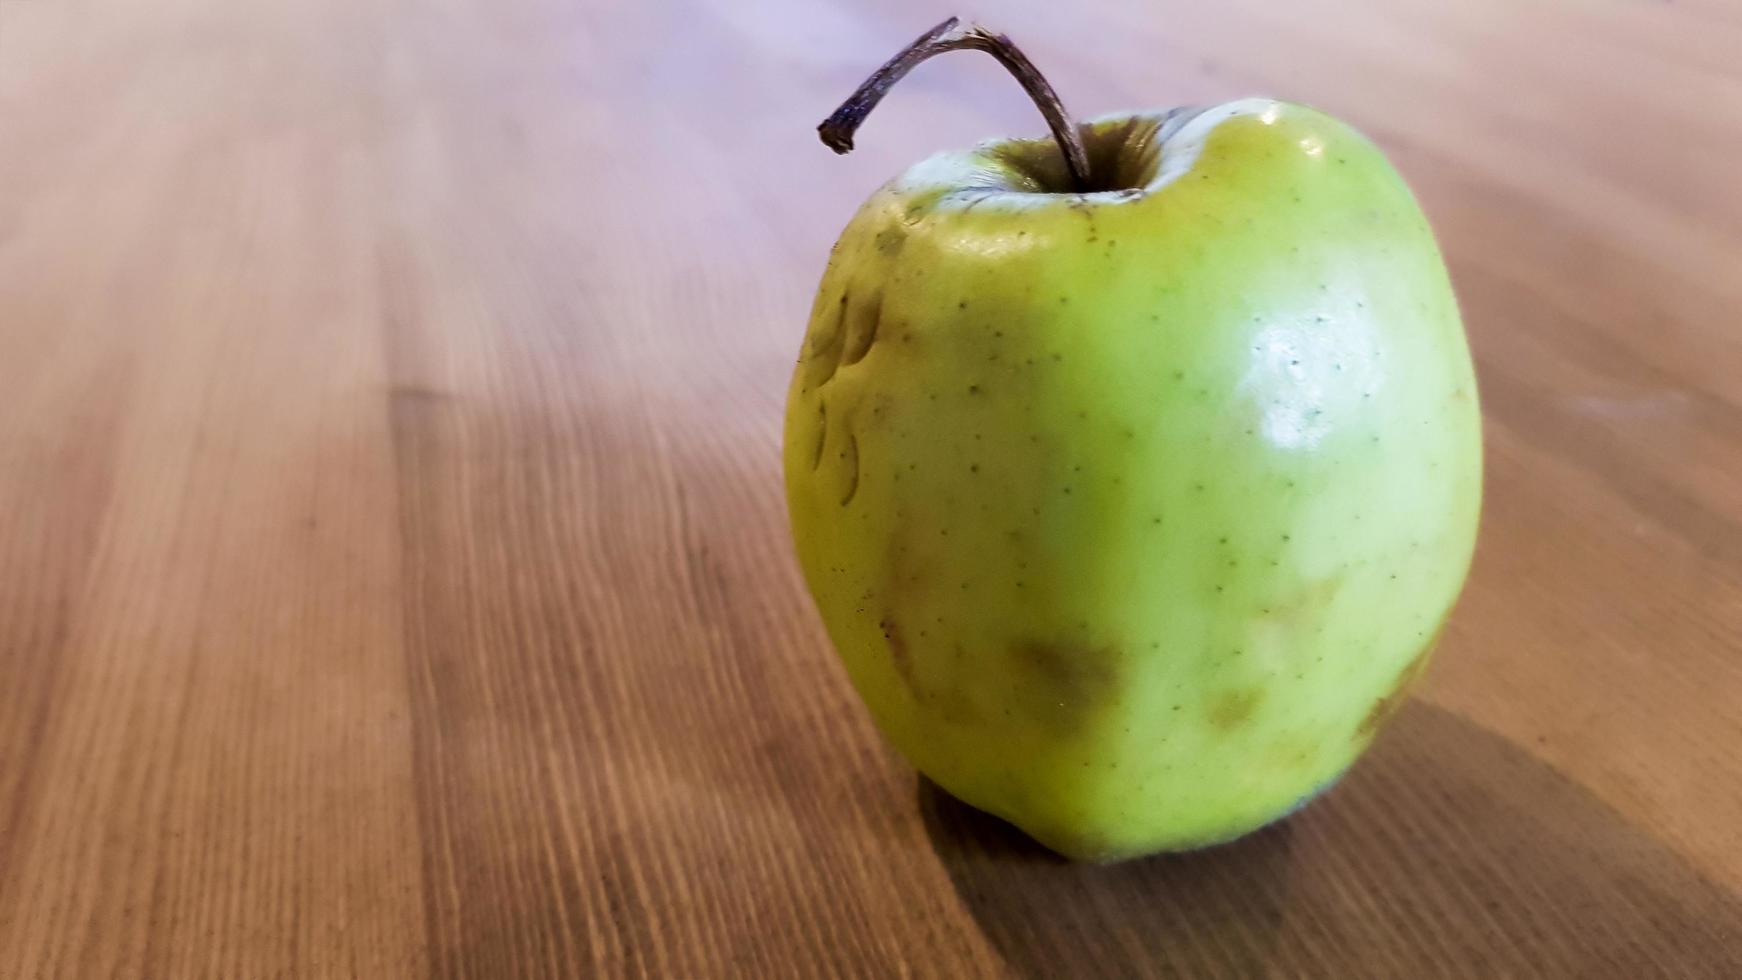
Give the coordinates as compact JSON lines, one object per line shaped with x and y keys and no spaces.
{"x":951,"y":35}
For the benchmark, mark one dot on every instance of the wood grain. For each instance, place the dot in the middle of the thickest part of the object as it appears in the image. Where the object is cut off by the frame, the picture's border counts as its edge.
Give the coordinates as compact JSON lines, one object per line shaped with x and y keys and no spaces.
{"x":394,"y":577}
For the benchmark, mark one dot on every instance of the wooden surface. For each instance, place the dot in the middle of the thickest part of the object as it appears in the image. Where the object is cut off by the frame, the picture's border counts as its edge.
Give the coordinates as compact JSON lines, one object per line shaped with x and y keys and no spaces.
{"x":394,"y":578}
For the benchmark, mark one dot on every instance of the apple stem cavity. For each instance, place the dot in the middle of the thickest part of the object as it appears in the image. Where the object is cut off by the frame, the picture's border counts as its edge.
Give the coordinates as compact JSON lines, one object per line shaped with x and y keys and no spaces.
{"x":952,"y":35}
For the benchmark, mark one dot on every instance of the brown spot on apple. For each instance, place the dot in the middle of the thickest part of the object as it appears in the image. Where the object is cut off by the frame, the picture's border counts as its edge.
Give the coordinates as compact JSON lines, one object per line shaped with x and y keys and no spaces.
{"x":954,"y":706}
{"x":1231,"y":709}
{"x":899,"y":655}
{"x":1309,"y":603}
{"x":891,"y":240}
{"x":1063,"y":684}
{"x":1381,"y":713}
{"x":1394,"y":699}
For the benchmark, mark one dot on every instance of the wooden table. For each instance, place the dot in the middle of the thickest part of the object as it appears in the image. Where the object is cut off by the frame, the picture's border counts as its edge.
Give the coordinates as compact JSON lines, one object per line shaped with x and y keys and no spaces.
{"x":394,"y":576}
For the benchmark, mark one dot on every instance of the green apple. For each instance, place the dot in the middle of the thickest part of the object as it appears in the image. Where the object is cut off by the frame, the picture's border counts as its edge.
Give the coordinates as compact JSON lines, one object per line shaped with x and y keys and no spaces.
{"x":1133,"y":511}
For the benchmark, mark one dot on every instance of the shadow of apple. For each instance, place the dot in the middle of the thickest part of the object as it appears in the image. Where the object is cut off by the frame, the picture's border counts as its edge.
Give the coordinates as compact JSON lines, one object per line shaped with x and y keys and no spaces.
{"x":1447,"y":851}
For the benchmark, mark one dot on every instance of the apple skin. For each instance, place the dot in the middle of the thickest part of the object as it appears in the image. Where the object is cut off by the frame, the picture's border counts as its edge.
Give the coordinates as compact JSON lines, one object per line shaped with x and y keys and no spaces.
{"x":1133,"y":514}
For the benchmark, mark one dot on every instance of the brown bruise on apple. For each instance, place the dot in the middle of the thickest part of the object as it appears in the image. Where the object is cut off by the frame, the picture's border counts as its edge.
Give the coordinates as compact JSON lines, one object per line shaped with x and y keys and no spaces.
{"x":899,"y":655}
{"x":1309,"y":604}
{"x":1063,"y":685}
{"x":950,"y":699}
{"x":890,"y":241}
{"x":902,"y":580}
{"x":1234,"y":708}
{"x":1388,"y":705}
